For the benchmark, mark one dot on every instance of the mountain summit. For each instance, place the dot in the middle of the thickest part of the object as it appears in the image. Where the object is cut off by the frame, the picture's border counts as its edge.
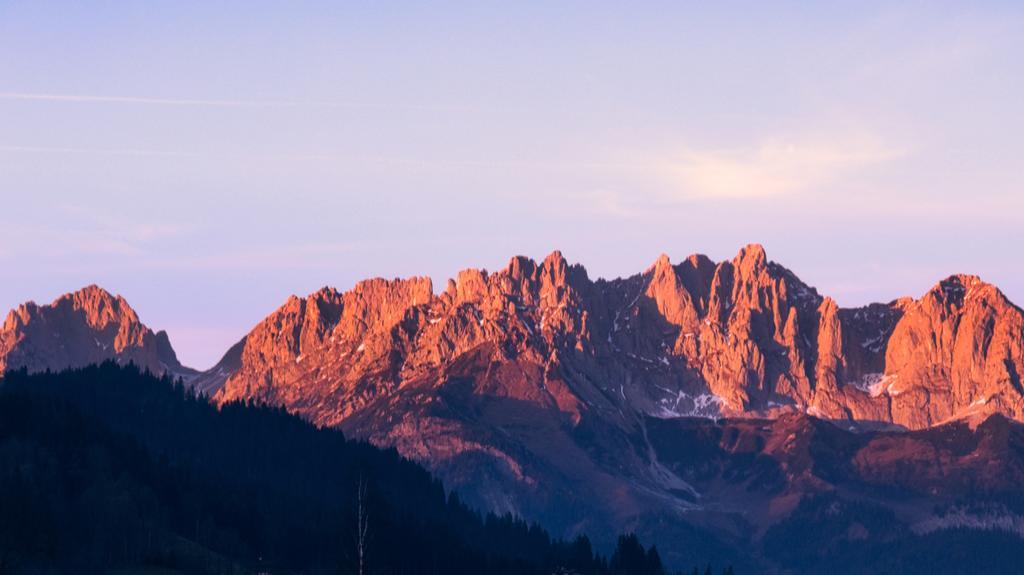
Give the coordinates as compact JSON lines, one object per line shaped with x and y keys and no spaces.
{"x":742,"y":337}
{"x":86,"y":327}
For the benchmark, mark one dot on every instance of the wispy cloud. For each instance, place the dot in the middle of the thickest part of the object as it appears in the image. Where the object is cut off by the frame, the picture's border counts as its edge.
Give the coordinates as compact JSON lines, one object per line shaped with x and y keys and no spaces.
{"x":107,"y":99}
{"x":310,"y":255}
{"x":234,"y":103}
{"x":121,"y":226}
{"x":95,"y":151}
{"x":654,"y":184}
{"x":84,"y":231}
{"x":776,"y":167}
{"x":93,"y":241}
{"x":31,"y":241}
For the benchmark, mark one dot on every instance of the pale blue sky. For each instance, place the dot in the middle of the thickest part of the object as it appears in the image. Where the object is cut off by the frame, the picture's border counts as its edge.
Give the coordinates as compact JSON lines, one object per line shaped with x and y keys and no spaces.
{"x":208,"y":161}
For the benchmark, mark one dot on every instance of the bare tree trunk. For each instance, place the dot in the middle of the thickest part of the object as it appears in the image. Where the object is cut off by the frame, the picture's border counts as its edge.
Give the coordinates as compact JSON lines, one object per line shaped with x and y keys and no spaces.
{"x":362,"y":525}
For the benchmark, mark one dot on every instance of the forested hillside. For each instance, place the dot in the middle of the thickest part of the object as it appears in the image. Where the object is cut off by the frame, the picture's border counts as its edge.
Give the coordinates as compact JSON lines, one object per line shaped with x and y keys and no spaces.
{"x":108,"y":469}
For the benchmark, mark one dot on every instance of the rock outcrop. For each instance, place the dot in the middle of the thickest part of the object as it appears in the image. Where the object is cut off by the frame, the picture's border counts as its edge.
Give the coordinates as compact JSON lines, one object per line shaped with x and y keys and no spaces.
{"x":86,"y":327}
{"x":532,"y":388}
{"x":742,"y":337}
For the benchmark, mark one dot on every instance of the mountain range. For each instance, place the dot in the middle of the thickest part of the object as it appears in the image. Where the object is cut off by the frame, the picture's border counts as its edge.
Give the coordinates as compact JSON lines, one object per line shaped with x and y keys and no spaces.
{"x":719,"y":402}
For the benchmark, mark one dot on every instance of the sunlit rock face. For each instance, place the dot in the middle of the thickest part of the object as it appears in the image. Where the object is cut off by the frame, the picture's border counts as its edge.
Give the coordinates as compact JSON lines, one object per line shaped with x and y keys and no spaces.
{"x":532,"y":387}
{"x":741,"y":337}
{"x":85,"y":327}
{"x":540,"y":391}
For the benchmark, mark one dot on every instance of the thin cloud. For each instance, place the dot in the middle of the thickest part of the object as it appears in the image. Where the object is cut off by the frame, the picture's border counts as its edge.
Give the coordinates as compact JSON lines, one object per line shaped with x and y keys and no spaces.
{"x":52,"y":242}
{"x":100,"y":99}
{"x":85,"y":231}
{"x":95,"y":151}
{"x":106,"y":223}
{"x":226,"y":103}
{"x":772,"y":169}
{"x":614,"y":204}
{"x":355,"y":159}
{"x":313,"y":255}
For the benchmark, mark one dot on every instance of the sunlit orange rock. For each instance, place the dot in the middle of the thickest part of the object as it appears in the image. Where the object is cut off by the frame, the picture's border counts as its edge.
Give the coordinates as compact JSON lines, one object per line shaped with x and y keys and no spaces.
{"x":82,"y":328}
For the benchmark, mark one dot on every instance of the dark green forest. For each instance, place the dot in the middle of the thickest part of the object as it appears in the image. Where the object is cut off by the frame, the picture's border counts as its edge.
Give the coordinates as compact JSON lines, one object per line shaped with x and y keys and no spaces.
{"x":110,"y":470}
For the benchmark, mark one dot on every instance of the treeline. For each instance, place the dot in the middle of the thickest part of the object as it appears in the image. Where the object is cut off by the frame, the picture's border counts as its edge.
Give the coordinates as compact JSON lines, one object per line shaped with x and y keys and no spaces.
{"x":827,"y":534}
{"x":107,"y":468}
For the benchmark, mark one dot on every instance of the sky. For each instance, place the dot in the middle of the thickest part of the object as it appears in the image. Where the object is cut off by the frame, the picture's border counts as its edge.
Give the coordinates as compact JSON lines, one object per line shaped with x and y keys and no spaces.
{"x":208,"y":159}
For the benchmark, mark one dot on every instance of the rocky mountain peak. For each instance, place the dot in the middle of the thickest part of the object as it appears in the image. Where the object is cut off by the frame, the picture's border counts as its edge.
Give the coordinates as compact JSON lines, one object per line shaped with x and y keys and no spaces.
{"x":957,"y":289}
{"x":750,"y":259}
{"x":660,"y":264}
{"x":678,"y":301}
{"x":81,"y":328}
{"x":521,"y":268}
{"x":554,"y":270}
{"x":97,"y":307}
{"x":470,"y":285}
{"x":555,"y":261}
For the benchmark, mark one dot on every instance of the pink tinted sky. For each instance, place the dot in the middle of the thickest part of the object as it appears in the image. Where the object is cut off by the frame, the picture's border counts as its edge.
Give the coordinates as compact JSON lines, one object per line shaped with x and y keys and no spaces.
{"x":206,"y":162}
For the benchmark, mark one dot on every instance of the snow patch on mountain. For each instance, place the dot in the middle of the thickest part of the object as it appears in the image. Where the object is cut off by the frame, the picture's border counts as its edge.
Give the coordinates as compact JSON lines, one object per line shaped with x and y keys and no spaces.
{"x":683,"y":404}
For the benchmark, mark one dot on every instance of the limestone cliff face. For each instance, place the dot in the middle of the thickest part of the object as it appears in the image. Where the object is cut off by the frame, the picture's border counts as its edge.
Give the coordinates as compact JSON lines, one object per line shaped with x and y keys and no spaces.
{"x":739,"y":337}
{"x":956,"y":351}
{"x":532,"y":384}
{"x":744,"y":336}
{"x":81,"y":328}
{"x":329,"y":348}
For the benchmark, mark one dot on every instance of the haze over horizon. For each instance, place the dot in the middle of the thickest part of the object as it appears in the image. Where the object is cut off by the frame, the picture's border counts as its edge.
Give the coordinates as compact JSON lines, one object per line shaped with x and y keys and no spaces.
{"x":206,"y":165}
